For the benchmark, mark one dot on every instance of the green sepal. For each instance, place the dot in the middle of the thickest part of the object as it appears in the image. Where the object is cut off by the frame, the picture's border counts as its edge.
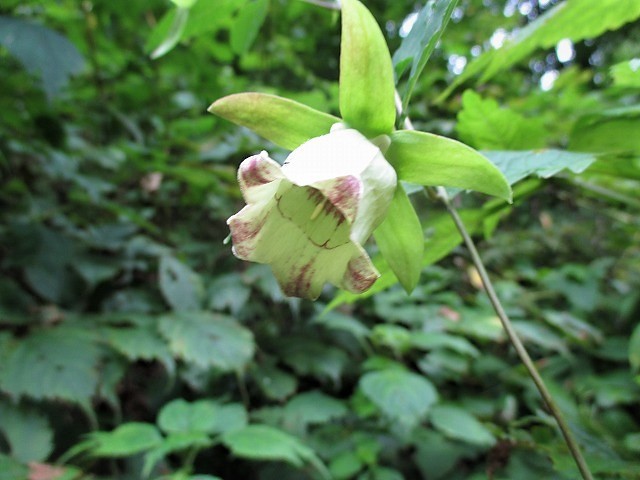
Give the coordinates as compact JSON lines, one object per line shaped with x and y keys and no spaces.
{"x":282,"y":121}
{"x":429,"y":159}
{"x":366,"y":73}
{"x":401,"y":240}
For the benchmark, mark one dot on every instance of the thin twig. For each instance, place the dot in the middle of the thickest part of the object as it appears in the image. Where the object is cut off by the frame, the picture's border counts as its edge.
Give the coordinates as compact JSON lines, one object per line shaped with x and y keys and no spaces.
{"x":440,"y":194}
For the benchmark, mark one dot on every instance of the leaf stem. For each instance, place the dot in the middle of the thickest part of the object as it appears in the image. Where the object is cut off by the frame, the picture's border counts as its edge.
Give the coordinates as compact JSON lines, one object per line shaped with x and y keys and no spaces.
{"x":440,"y":194}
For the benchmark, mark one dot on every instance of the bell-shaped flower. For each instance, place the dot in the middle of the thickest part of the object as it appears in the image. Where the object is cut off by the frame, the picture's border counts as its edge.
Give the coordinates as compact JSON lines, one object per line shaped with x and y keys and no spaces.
{"x":309,"y":218}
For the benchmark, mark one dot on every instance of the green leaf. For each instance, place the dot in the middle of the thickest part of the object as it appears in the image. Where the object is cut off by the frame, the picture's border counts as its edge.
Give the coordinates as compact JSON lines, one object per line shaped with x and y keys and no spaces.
{"x":607,"y":132}
{"x":458,"y":424}
{"x":543,"y":163}
{"x":484,"y":125}
{"x":43,"y":52}
{"x":208,"y":340}
{"x":126,"y":440}
{"x":574,"y":19}
{"x":634,"y":349}
{"x":312,"y":408}
{"x":284,"y":122}
{"x":429,"y":159}
{"x":175,"y":442}
{"x":64,"y":360}
{"x":261,"y":442}
{"x":367,"y":89}
{"x":418,"y":45}
{"x":401,"y":240}
{"x":174,"y":35}
{"x":402,"y":396}
{"x":626,"y":74}
{"x":27,"y":432}
{"x":180,"y":416}
{"x":10,"y":469}
{"x":181,"y":287}
{"x":275,"y":383}
{"x":247,"y":25}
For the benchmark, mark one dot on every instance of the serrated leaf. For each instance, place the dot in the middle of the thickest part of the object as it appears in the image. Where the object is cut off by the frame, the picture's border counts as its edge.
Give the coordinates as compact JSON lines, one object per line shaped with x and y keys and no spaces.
{"x":518,"y":165}
{"x":137,"y":343}
{"x":575,"y":20}
{"x":261,"y":442}
{"x":312,"y":408}
{"x":208,"y":340}
{"x":180,"y":416}
{"x":181,"y":287}
{"x":458,"y":424}
{"x":402,"y":396}
{"x":417,"y":46}
{"x":247,"y":25}
{"x":56,"y":363}
{"x":27,"y":432}
{"x":126,"y":440}
{"x":484,"y":125}
{"x":428,"y":159}
{"x":282,"y":121}
{"x":401,"y":240}
{"x":367,"y":89}
{"x":43,"y":52}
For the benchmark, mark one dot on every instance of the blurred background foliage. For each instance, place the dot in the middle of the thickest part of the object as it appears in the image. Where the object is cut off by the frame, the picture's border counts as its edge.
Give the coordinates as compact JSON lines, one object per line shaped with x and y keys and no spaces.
{"x":132,"y":343}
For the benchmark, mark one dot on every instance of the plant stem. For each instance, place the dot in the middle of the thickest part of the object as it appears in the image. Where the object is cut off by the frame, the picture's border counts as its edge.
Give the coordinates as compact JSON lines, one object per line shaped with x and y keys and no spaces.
{"x":440,"y":194}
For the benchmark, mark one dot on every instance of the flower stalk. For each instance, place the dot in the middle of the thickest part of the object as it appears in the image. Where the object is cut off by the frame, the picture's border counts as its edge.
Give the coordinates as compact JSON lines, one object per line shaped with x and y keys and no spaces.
{"x":440,"y":194}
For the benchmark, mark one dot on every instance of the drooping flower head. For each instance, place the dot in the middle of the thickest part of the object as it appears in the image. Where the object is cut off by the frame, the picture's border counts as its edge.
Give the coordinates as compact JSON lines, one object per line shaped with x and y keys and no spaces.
{"x":309,"y":218}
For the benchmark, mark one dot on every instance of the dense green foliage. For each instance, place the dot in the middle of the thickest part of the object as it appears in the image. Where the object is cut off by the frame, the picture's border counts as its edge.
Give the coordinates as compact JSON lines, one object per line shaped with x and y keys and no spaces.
{"x":134,"y":345}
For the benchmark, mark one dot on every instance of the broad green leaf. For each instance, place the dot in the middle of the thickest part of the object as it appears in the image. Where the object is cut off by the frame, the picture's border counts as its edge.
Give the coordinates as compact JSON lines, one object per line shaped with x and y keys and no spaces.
{"x":247,"y":25}
{"x":204,"y":17}
{"x":126,"y":440}
{"x":458,"y":424}
{"x":208,"y":340}
{"x":284,"y":122}
{"x":180,"y":416}
{"x":181,"y":287}
{"x":310,"y":356}
{"x":137,"y":343}
{"x":484,"y":125}
{"x":10,"y":468}
{"x":634,"y":349}
{"x":402,"y":396}
{"x":607,"y":132}
{"x":313,"y":407}
{"x":27,"y":432}
{"x":429,"y":159}
{"x":367,"y":89}
{"x":401,"y":240}
{"x":626,"y":74}
{"x":418,"y":45}
{"x":55,"y":363}
{"x":175,"y":32}
{"x":439,"y":340}
{"x":275,"y":383}
{"x":175,"y":442}
{"x":261,"y":442}
{"x":572,"y":19}
{"x":43,"y":52}
{"x":184,"y":3}
{"x":516,"y":165}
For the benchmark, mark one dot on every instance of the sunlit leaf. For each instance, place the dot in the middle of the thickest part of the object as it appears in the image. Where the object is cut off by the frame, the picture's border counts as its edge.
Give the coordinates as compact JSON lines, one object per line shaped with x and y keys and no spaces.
{"x":418,"y":45}
{"x":627,"y":74}
{"x":126,"y":440}
{"x":574,"y":20}
{"x":247,"y":25}
{"x":484,"y":125}
{"x":428,"y":159}
{"x":279,"y":120}
{"x":366,"y":74}
{"x":401,"y":240}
